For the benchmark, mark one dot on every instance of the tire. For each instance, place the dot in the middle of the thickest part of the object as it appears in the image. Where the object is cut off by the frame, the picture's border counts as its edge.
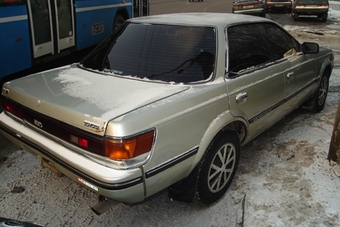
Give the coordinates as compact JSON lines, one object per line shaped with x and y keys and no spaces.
{"x":319,"y":98}
{"x":118,"y":21}
{"x":218,"y":168}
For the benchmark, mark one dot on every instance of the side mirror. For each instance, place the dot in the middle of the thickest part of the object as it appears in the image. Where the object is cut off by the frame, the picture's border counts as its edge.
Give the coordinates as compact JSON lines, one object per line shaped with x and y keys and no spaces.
{"x":310,"y":48}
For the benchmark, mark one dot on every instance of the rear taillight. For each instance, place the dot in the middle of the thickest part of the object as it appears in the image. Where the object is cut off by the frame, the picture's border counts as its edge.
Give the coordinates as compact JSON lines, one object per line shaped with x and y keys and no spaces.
{"x":127,"y":148}
{"x":84,"y":143}
{"x":12,"y":108}
{"x":87,"y":141}
{"x":237,"y":6}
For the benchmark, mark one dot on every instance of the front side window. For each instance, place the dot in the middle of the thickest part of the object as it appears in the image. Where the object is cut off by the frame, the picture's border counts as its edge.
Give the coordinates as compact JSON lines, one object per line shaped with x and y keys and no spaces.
{"x":253,"y":45}
{"x":168,"y":53}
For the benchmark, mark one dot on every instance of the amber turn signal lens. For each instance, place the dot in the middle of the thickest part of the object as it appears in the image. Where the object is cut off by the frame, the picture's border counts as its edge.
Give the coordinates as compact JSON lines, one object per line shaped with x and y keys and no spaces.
{"x":120,"y":149}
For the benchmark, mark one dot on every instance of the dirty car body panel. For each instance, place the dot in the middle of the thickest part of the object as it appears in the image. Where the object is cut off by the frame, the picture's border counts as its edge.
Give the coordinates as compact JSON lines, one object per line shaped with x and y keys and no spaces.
{"x":317,"y":8}
{"x":249,"y":7}
{"x":168,"y":111}
{"x":279,"y":5}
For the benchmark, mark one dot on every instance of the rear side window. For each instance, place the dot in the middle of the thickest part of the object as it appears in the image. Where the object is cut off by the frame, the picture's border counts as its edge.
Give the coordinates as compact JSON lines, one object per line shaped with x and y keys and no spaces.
{"x":252,"y":45}
{"x":181,"y":54}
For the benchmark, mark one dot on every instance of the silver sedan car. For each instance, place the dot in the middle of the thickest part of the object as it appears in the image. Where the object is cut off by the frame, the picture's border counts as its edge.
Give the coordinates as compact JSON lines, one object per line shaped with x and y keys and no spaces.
{"x":165,"y":103}
{"x":250,"y":7}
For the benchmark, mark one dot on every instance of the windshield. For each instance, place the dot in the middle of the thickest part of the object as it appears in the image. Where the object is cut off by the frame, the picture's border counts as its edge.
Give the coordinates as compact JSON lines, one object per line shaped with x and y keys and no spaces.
{"x":168,"y":53}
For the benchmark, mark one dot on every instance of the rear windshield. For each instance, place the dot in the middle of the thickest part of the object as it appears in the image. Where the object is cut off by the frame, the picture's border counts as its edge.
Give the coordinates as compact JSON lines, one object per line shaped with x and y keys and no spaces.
{"x":180,"y":54}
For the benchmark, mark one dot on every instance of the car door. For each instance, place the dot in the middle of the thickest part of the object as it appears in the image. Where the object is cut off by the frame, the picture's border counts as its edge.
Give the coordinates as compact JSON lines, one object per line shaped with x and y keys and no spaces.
{"x":257,"y":97}
{"x":298,"y":71}
{"x":299,"y":75}
{"x":255,"y":81}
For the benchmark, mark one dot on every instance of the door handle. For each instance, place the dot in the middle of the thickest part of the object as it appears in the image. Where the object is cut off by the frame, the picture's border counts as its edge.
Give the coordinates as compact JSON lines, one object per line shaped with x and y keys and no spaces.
{"x":241,"y":96}
{"x":290,"y":75}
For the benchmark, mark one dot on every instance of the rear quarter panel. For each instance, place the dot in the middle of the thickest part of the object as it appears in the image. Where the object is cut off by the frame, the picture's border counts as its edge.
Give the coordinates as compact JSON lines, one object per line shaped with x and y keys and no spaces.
{"x":181,"y":122}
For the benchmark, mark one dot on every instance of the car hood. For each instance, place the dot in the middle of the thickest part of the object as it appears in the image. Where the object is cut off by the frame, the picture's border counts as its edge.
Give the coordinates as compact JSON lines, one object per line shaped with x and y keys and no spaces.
{"x":72,"y":94}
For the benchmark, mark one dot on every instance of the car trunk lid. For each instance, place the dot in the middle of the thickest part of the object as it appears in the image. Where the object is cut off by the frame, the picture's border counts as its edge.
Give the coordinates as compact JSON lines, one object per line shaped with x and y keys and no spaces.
{"x":81,"y":98}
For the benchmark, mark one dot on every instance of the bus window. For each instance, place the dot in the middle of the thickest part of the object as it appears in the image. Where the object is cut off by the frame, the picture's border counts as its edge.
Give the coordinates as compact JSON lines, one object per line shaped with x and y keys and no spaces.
{"x":37,"y":31}
{"x":41,"y":21}
{"x":140,"y":11}
{"x":51,"y":36}
{"x":64,"y":18}
{"x":65,"y":24}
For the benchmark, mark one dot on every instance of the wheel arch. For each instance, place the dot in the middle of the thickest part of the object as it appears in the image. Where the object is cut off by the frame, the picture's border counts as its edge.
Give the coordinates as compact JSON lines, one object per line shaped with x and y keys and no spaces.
{"x":326,"y":66}
{"x":186,"y":188}
{"x":120,"y":12}
{"x":123,"y":12}
{"x":224,"y":122}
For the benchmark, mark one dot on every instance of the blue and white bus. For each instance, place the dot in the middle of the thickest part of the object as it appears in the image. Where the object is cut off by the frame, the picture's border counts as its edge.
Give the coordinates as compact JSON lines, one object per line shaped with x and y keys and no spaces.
{"x":36,"y":31}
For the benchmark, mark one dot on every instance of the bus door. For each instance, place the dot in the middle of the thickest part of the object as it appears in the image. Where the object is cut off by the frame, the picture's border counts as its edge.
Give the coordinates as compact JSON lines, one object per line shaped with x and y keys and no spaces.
{"x":140,"y":8}
{"x":52,"y":26}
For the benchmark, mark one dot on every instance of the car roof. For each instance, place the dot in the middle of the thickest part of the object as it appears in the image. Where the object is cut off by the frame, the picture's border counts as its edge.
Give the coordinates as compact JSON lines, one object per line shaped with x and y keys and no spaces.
{"x":199,"y":19}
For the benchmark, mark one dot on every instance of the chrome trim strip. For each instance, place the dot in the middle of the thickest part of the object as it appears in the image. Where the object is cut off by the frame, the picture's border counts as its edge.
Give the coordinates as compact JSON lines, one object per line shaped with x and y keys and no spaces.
{"x":263,"y":113}
{"x":301,"y":89}
{"x":170,"y":163}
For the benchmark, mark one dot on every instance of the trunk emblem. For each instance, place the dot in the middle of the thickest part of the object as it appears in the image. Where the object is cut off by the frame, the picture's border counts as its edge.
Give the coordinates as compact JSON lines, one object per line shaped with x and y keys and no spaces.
{"x":92,"y":125}
{"x":38,"y":123}
{"x":38,"y":103}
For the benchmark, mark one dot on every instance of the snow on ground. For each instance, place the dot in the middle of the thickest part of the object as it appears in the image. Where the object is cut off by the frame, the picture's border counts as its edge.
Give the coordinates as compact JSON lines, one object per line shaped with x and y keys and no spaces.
{"x":284,"y":175}
{"x":331,"y":27}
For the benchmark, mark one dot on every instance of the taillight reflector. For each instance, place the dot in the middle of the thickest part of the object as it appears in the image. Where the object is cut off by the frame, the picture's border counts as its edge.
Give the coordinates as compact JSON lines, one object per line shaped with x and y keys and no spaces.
{"x":12,"y":108}
{"x":80,"y":141}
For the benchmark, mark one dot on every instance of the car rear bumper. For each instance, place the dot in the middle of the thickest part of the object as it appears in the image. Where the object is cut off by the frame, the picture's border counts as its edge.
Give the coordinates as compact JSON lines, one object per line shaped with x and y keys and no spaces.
{"x":310,"y":11}
{"x":250,"y":11}
{"x":120,"y":185}
{"x":279,"y":5}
